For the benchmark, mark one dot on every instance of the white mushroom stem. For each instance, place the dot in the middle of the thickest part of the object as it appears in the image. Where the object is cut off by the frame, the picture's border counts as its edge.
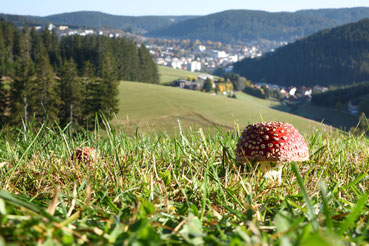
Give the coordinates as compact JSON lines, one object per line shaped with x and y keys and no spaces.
{"x":272,"y":170}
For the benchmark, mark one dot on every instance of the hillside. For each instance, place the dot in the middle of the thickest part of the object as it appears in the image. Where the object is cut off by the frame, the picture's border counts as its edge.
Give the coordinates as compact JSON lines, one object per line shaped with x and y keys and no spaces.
{"x":96,"y":19}
{"x":248,"y":25}
{"x":160,"y":107}
{"x":227,"y":26}
{"x":339,"y":16}
{"x":244,"y":25}
{"x":333,"y":56}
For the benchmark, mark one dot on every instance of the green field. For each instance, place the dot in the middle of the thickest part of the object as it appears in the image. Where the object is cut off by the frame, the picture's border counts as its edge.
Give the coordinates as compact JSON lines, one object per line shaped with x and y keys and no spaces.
{"x":168,"y":74}
{"x":159,"y":108}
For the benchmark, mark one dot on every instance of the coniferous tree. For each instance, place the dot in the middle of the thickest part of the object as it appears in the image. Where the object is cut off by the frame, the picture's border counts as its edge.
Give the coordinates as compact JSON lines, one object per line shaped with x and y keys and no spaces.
{"x":133,"y":61}
{"x":148,"y":69}
{"x":21,"y":86}
{"x":110,"y":86}
{"x":3,"y":103}
{"x":7,"y":33}
{"x":70,"y":93}
{"x":44,"y":92}
{"x":93,"y":97}
{"x":2,"y":52}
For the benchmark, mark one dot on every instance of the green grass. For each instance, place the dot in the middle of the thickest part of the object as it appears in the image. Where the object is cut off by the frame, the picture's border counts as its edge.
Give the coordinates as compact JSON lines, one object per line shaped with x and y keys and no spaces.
{"x":159,"y":108}
{"x":168,"y":74}
{"x":184,"y":189}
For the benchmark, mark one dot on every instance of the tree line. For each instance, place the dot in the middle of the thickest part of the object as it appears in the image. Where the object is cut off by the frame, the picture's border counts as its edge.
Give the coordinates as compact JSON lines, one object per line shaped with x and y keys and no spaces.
{"x":68,"y":80}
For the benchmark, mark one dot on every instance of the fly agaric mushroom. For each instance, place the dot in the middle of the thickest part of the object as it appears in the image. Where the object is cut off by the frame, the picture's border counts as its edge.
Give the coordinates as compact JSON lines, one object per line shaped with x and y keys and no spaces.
{"x":86,"y":155}
{"x":270,"y":144}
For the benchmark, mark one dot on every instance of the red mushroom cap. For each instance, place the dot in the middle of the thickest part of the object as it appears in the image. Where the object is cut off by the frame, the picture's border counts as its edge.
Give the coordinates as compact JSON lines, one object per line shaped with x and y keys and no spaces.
{"x":271,"y":141}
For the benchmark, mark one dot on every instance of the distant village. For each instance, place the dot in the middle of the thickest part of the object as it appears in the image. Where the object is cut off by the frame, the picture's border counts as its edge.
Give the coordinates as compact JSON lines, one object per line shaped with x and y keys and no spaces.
{"x":201,"y":58}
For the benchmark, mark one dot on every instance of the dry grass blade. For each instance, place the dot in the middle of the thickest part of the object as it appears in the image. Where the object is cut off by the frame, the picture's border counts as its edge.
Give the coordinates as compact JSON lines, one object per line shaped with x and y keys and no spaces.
{"x":73,"y":203}
{"x":54,"y":202}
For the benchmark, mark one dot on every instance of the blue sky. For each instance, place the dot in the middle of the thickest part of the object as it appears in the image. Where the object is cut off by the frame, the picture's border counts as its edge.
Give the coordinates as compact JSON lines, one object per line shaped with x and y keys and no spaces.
{"x":166,"y":7}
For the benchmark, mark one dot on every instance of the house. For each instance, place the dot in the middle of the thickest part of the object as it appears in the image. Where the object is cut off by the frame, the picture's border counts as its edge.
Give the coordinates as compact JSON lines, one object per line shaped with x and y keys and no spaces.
{"x":50,"y":27}
{"x":200,"y":48}
{"x":160,"y":61}
{"x":291,"y":90}
{"x":176,"y":63}
{"x":194,"y":66}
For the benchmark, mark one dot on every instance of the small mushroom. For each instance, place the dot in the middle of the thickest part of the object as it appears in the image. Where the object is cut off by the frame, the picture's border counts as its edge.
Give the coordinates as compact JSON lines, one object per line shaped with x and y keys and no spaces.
{"x":270,"y":144}
{"x":85,"y":155}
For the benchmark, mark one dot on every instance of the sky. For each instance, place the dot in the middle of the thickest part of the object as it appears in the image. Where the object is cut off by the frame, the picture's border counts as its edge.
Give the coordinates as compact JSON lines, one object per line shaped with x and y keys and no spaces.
{"x":166,"y":7}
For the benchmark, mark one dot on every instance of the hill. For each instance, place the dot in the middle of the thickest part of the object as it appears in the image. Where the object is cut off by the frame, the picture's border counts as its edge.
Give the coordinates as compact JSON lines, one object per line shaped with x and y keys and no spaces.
{"x":160,"y":107}
{"x":249,"y":25}
{"x":227,"y":26}
{"x":21,"y":20}
{"x":98,"y":19}
{"x":333,"y":56}
{"x":339,"y":16}
{"x":244,"y":25}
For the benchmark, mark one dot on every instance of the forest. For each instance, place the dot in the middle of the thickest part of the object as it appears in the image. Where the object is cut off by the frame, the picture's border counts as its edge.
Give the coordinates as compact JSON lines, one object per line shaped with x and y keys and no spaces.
{"x":69,"y":80}
{"x":332,"y":56}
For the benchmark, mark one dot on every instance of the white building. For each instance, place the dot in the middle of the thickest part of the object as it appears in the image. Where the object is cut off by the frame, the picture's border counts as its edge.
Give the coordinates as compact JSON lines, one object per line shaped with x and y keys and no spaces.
{"x":217,"y":54}
{"x":63,"y":28}
{"x":175,"y":63}
{"x":161,"y":61}
{"x":194,"y":66}
{"x":233,"y":58}
{"x":50,"y":27}
{"x":200,"y":48}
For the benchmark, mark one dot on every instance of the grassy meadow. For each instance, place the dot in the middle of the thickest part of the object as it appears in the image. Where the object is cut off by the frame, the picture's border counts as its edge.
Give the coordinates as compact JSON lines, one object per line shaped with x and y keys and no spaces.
{"x":185,"y":189}
{"x":158,"y":108}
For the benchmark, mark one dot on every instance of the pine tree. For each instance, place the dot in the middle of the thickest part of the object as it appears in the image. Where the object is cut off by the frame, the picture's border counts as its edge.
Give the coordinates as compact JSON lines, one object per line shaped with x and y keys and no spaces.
{"x":45,"y":100}
{"x":3,"y":103}
{"x":23,"y":79}
{"x":7,"y":33}
{"x":92,"y":95}
{"x":70,"y":87}
{"x":148,"y":70}
{"x":110,"y":86}
{"x":133,"y":61}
